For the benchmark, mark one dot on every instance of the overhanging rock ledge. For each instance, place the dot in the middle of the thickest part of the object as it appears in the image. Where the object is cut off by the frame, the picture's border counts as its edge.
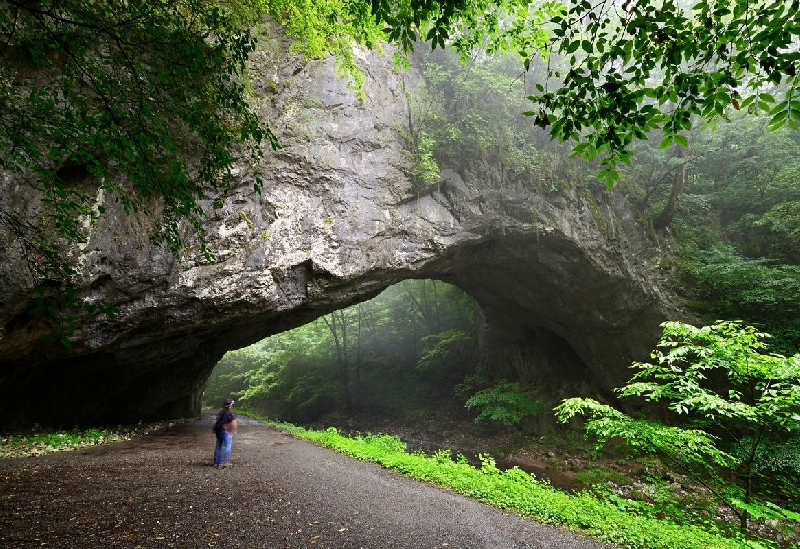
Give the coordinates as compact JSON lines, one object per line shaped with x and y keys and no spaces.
{"x":568,"y":283}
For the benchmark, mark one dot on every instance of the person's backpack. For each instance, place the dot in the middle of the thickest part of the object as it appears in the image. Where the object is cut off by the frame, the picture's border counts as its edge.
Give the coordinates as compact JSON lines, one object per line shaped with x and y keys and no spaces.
{"x":218,"y":424}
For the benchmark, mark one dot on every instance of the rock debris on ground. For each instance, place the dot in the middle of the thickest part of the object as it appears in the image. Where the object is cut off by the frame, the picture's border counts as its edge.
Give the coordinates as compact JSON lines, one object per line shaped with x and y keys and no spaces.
{"x":161,"y":491}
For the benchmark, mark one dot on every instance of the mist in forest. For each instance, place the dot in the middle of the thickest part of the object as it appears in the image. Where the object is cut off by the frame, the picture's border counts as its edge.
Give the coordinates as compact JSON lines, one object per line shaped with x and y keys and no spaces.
{"x":411,"y":345}
{"x":727,"y":201}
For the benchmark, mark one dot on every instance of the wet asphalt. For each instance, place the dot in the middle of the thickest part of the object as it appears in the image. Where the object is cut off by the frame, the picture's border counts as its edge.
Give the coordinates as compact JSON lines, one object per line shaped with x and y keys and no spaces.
{"x":161,"y":491}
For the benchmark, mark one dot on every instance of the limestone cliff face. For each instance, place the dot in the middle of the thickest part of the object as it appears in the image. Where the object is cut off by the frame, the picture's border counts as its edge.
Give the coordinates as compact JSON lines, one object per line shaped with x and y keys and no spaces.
{"x":568,"y":282}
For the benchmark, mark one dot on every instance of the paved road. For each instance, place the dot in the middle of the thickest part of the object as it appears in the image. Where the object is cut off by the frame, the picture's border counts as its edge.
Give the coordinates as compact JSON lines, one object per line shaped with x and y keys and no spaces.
{"x":160,"y":491}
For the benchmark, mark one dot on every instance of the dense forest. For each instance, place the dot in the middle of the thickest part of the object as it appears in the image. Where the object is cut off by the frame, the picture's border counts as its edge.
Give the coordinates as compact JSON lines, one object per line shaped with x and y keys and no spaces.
{"x":398,"y":351}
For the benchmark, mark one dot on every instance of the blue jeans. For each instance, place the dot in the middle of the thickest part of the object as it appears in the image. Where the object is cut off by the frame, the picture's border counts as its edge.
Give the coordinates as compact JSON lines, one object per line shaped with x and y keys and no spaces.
{"x":222,"y":453}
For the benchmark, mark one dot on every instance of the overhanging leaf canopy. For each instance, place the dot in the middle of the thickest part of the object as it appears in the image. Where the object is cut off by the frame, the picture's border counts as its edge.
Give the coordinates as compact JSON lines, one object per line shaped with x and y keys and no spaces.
{"x":622,"y":69}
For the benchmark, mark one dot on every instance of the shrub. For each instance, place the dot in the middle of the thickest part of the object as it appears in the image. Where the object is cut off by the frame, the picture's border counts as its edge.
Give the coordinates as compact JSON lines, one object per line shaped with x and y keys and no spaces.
{"x":505,"y":403}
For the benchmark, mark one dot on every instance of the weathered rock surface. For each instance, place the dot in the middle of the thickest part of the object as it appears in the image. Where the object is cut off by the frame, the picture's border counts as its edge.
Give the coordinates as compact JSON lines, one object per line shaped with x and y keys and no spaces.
{"x":568,"y":282}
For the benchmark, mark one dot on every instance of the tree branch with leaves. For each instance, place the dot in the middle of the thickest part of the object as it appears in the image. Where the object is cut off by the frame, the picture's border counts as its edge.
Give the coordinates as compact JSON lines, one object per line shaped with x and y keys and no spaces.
{"x":731,"y":398}
{"x":631,"y":67}
{"x":139,"y":102}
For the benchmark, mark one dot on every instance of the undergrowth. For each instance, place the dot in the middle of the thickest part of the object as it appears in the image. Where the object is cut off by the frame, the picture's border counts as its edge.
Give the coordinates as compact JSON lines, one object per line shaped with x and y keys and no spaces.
{"x":605,"y":516}
{"x":41,"y":442}
{"x":519,"y":492}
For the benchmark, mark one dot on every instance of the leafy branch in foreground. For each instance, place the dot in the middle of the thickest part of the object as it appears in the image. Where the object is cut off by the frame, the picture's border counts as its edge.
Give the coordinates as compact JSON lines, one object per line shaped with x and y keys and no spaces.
{"x":618,"y":70}
{"x":139,"y":102}
{"x":111,"y":95}
{"x":738,"y":402}
{"x":647,"y":65}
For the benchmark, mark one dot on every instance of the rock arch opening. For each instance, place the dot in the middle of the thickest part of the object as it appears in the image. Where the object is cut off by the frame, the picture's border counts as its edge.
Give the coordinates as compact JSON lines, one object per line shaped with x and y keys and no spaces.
{"x":420,"y":344}
{"x":411,"y":345}
{"x":564,"y":274}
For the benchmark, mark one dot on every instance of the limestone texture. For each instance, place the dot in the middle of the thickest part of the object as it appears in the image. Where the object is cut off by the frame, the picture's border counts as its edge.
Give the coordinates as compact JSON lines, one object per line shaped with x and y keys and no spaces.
{"x":570,"y":286}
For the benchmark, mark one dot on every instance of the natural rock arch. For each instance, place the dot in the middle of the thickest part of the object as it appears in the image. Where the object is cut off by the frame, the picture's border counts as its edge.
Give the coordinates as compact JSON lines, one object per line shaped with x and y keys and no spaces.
{"x":568,"y":282}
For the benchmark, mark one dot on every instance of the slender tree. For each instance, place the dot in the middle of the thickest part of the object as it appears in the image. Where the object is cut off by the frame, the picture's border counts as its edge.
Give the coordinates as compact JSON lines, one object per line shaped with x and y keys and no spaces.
{"x":337,"y":325}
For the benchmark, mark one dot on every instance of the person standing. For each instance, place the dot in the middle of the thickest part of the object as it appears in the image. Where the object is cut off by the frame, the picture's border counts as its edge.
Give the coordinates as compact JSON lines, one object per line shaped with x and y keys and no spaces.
{"x":225,"y":429}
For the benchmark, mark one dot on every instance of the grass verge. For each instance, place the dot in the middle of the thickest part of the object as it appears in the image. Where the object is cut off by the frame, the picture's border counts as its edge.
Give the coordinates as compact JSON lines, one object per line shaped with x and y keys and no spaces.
{"x":521,"y":493}
{"x":38,"y":443}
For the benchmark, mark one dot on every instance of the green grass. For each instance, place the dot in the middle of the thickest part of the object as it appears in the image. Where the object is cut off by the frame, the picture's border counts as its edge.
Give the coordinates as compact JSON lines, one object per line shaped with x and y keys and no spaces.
{"x":48,"y":442}
{"x":518,"y":492}
{"x":38,"y":443}
{"x":597,"y":475}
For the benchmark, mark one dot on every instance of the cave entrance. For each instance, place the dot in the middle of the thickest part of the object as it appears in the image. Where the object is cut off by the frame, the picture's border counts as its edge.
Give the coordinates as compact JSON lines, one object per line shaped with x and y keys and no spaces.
{"x":408,"y":350}
{"x":410,"y":356}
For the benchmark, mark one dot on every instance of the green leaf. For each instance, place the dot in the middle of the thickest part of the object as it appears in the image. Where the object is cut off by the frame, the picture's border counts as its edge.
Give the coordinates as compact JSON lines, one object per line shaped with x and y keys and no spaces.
{"x":572,"y":47}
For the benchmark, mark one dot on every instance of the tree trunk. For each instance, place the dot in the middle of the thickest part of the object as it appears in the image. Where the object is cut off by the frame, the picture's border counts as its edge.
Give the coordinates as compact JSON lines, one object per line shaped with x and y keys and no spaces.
{"x":338,"y":328}
{"x":663,"y":220}
{"x":358,"y":360}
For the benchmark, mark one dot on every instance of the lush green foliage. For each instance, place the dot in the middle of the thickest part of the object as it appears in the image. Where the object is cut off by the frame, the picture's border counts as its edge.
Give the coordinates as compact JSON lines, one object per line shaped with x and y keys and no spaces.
{"x":42,"y":443}
{"x":519,"y":492}
{"x":733,"y":192}
{"x":295,"y":372}
{"x":229,"y":376}
{"x":656,"y":65}
{"x":783,"y":220}
{"x":136,"y":102}
{"x":102,"y":98}
{"x":473,"y":114}
{"x":741,"y":405}
{"x":625,"y":70}
{"x":448,"y":354}
{"x":761,"y":293}
{"x":409,"y":345}
{"x":466,"y":25}
{"x":328,"y":26}
{"x":39,"y":443}
{"x":505,"y":403}
{"x":740,"y":187}
{"x":425,"y":171}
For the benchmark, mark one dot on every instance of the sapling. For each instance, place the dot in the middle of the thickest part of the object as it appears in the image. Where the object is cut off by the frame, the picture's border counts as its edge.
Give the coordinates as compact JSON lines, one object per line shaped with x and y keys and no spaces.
{"x":732,"y":400}
{"x":505,"y":403}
